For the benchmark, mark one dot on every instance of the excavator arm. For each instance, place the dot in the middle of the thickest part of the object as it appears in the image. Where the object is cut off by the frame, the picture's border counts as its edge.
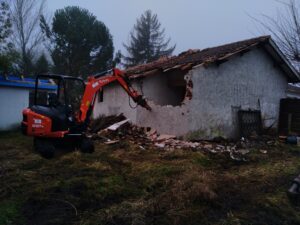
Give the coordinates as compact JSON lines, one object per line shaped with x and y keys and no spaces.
{"x":96,"y":83}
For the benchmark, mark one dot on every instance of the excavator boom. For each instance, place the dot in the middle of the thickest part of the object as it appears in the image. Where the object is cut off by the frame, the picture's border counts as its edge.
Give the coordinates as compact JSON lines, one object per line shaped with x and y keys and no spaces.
{"x":96,"y":83}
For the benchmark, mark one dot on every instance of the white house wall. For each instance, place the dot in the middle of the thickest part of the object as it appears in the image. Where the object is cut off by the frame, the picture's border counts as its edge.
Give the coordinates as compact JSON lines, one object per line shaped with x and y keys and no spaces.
{"x":115,"y":101}
{"x":249,"y":81}
{"x":13,"y":101}
{"x":245,"y":82}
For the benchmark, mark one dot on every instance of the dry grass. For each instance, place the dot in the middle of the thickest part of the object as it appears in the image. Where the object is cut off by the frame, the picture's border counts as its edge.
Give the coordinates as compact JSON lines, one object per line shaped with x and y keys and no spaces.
{"x":123,"y":184}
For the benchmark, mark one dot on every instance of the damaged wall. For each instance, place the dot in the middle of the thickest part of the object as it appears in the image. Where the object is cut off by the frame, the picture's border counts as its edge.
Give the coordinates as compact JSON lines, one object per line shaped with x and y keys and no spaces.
{"x":168,"y":118}
{"x":164,"y":88}
{"x":216,"y":93}
{"x":155,"y":87}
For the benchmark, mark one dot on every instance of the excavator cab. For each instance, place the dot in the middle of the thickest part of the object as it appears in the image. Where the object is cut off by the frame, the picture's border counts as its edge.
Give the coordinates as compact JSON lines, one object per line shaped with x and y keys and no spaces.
{"x":51,"y":119}
{"x":61,"y":104}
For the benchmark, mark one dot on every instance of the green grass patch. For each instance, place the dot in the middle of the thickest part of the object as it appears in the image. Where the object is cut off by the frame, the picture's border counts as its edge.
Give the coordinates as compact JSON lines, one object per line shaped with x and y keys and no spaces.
{"x":116,"y":188}
{"x":10,"y":212}
{"x":202,"y":160}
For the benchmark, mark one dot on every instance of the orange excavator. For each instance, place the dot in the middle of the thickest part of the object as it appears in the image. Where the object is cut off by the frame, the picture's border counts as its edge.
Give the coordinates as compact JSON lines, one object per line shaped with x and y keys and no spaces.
{"x":62,"y":116}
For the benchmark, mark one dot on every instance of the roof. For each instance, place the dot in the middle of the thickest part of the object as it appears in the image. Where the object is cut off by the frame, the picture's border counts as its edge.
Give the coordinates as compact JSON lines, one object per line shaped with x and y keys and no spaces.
{"x":21,"y":82}
{"x":60,"y":76}
{"x":219,"y":54}
{"x":294,"y":88}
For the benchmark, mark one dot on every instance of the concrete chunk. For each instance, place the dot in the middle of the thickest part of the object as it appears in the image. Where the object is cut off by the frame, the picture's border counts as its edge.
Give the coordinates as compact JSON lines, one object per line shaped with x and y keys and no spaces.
{"x":160,"y":145}
{"x":116,"y":126}
{"x":164,"y":137}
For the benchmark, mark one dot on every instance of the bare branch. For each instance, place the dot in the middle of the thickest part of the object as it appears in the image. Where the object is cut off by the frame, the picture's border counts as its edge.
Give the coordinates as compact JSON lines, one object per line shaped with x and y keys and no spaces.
{"x":27,"y":34}
{"x":285,"y":29}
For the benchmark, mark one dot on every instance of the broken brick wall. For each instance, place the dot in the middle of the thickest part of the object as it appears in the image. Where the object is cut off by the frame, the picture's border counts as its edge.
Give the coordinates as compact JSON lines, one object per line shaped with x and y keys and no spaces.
{"x":164,"y":88}
{"x":165,"y":94}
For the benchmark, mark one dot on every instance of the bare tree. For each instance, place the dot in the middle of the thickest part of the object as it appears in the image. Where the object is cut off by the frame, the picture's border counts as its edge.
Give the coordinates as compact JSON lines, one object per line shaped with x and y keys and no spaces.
{"x":27,"y":34}
{"x":285,"y":30}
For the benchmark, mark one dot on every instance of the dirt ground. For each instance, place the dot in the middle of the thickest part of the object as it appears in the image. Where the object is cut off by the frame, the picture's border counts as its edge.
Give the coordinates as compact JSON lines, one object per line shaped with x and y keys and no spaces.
{"x":124,"y":184}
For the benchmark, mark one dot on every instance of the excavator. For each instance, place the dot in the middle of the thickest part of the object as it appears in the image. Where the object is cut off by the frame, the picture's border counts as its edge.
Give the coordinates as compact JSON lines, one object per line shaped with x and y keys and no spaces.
{"x":62,"y":116}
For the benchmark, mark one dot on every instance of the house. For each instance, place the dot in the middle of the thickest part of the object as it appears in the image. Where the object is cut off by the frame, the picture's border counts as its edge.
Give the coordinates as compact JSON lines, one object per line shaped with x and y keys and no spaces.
{"x":289,"y":116}
{"x":15,"y":95}
{"x":293,"y":91}
{"x":199,"y":93}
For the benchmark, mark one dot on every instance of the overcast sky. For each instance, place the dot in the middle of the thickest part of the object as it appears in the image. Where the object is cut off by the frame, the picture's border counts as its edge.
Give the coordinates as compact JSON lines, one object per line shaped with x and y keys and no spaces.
{"x":190,"y":23}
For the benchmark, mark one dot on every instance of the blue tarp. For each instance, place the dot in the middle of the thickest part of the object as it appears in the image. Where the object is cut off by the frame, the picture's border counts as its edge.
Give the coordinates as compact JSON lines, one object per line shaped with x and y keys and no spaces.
{"x":15,"y":81}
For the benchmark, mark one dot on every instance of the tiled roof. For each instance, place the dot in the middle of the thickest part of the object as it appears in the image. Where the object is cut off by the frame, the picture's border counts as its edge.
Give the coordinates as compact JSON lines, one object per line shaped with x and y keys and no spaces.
{"x":194,"y":57}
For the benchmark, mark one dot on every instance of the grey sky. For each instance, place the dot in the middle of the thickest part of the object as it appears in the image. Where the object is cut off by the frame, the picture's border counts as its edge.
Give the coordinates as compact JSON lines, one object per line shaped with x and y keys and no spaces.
{"x":189,"y":23}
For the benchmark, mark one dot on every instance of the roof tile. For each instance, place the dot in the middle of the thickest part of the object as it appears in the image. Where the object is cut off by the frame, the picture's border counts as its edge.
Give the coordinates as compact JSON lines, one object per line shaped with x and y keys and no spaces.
{"x":196,"y":56}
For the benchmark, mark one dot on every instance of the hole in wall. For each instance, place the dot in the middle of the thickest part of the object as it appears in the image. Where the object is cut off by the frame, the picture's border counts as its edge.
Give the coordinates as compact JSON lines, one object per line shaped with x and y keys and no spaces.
{"x":168,"y":88}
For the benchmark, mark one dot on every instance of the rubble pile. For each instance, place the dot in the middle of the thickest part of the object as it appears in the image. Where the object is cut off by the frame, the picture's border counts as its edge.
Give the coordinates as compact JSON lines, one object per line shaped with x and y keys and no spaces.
{"x":103,"y":122}
{"x":239,"y":149}
{"x":123,"y":130}
{"x":144,"y":137}
{"x":118,"y":128}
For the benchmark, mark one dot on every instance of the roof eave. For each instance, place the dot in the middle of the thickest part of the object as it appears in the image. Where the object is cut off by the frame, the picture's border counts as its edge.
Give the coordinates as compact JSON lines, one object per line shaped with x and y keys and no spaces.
{"x":279,"y":57}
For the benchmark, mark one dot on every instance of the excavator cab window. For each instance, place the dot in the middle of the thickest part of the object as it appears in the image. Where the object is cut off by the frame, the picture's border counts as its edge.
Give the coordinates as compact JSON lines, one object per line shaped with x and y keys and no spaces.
{"x":74,"y":89}
{"x":66,"y":92}
{"x":46,"y":92}
{"x":52,"y":99}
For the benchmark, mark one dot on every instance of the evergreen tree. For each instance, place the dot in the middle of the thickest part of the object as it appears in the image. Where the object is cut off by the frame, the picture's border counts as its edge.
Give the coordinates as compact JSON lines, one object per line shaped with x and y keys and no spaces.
{"x":42,"y":65}
{"x":147,"y":41}
{"x":81,"y":44}
{"x":118,"y":59}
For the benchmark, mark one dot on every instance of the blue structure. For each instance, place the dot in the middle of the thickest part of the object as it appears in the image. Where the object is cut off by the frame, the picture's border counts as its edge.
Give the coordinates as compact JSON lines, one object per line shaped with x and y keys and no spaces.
{"x":29,"y":83}
{"x":15,"y":95}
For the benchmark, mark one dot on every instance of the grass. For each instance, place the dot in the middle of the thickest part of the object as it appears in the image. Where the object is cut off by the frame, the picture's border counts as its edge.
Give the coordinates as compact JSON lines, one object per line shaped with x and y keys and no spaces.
{"x":10,"y":212}
{"x":123,"y":184}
